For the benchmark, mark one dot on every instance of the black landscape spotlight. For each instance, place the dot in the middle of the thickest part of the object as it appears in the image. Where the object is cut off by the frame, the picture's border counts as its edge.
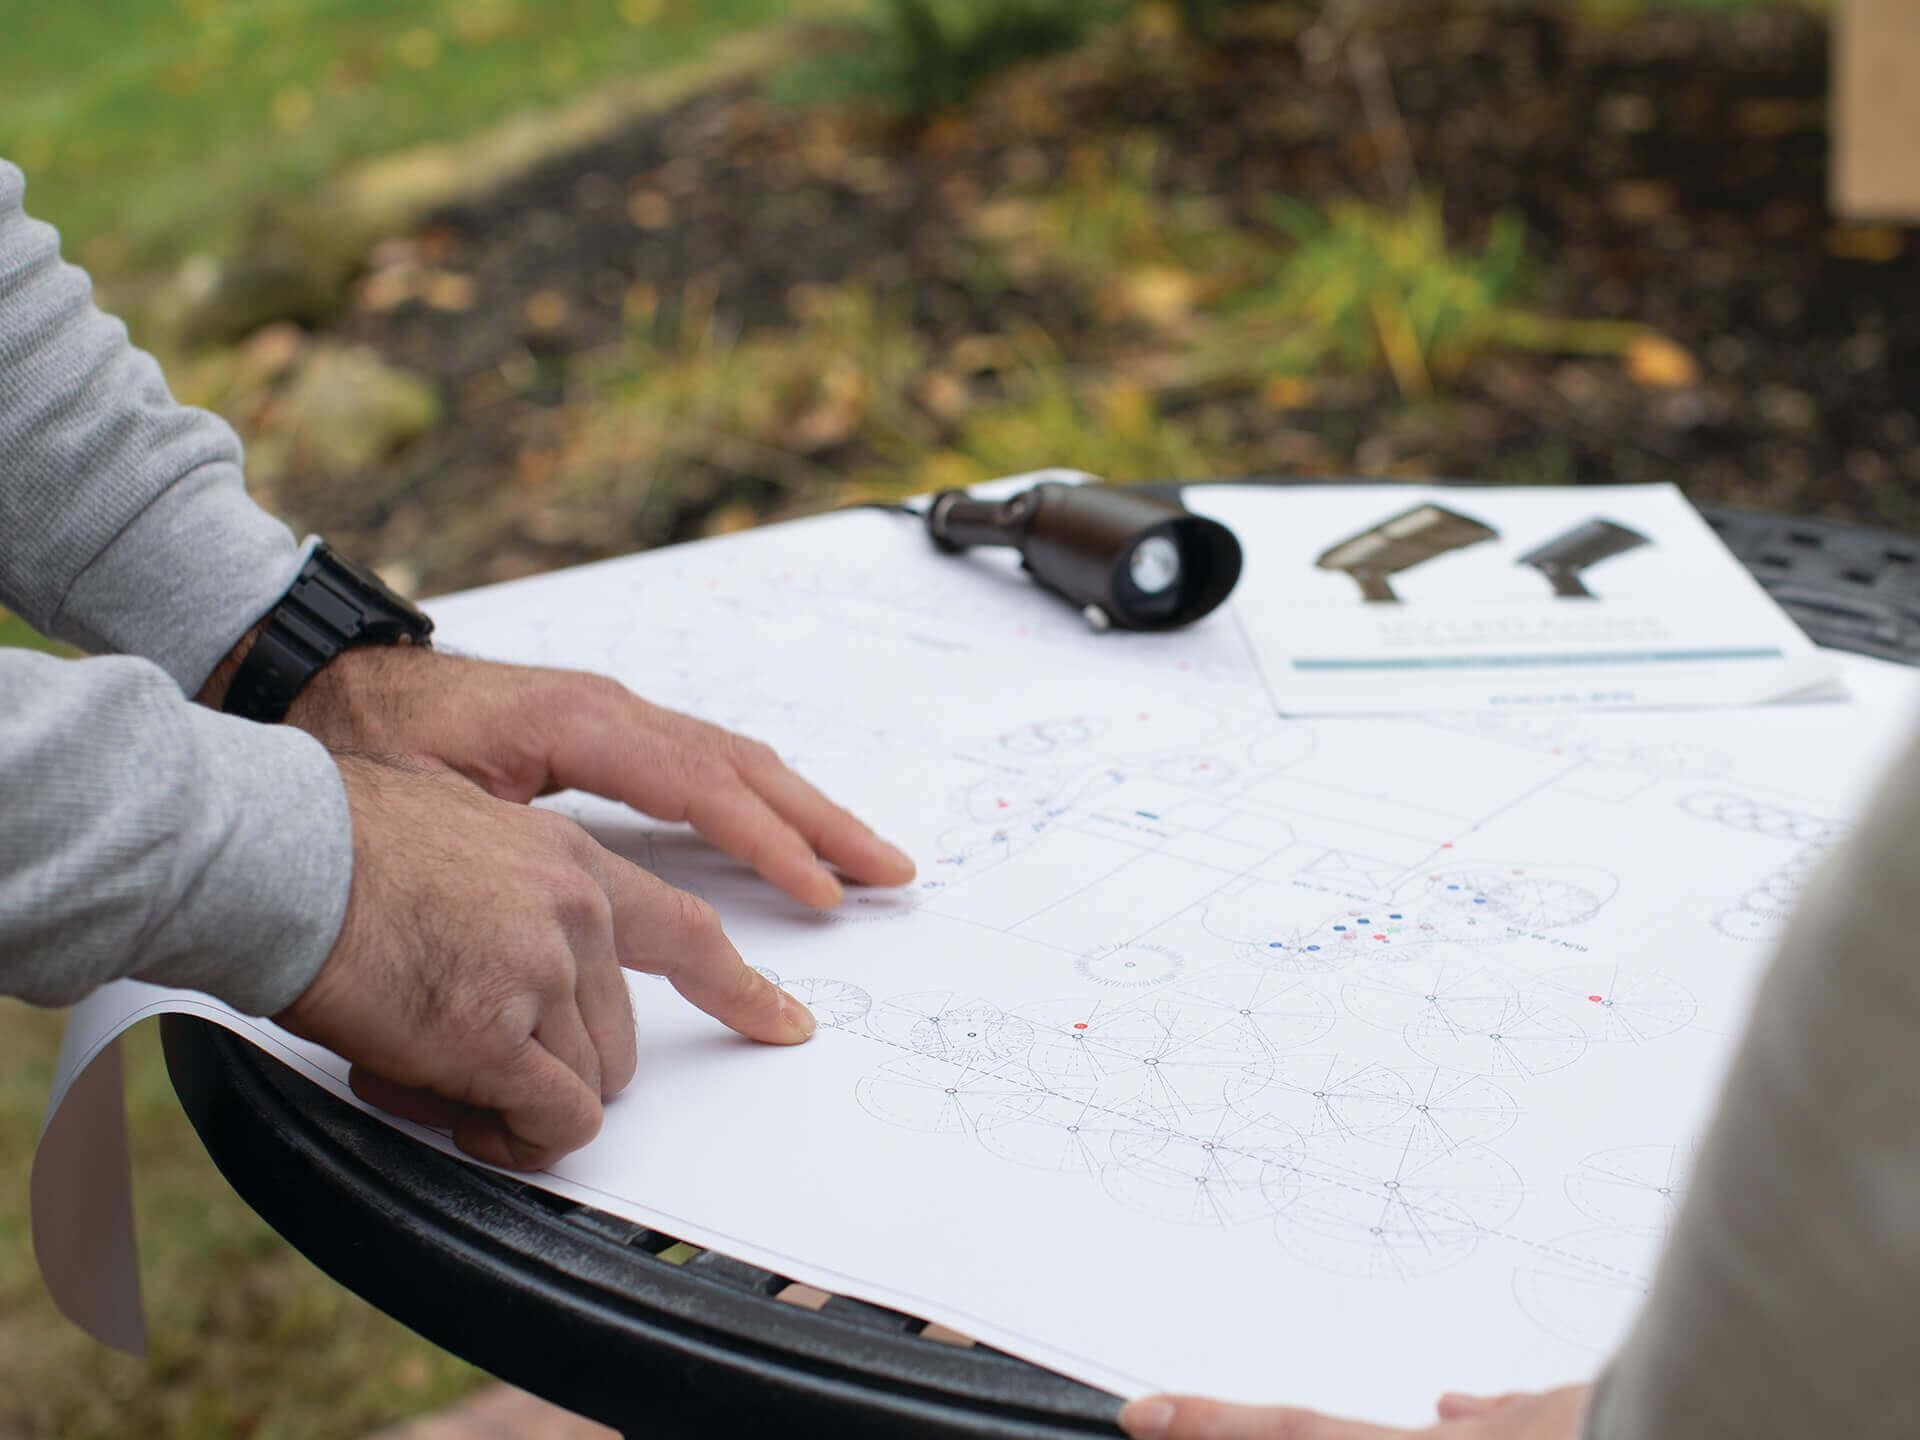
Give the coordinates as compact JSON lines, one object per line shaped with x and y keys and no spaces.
{"x":1410,"y":538}
{"x":1127,"y":559}
{"x":1563,"y":558}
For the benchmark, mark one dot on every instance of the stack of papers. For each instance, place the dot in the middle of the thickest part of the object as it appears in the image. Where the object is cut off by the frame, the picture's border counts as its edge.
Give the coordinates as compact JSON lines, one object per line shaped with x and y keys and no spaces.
{"x":1329,"y":1060}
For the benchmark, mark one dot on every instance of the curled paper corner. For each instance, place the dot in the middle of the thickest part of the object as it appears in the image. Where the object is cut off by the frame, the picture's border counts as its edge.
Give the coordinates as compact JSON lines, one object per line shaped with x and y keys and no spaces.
{"x":81,"y":1198}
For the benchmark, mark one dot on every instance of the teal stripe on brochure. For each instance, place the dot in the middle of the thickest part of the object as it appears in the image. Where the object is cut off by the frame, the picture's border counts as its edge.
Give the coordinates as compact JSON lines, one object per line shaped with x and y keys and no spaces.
{"x":1534,"y":662}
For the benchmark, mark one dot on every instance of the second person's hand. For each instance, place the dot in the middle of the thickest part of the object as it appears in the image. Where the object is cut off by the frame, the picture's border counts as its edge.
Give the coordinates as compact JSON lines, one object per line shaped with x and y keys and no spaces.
{"x":1554,"y":1415}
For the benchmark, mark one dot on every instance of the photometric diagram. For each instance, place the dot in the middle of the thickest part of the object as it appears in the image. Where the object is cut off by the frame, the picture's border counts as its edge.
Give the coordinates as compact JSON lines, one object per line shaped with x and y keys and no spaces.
{"x":1198,"y":1076}
{"x":1321,"y":984}
{"x":1762,"y":910}
{"x":1374,"y":1211}
{"x":1585,"y":1287}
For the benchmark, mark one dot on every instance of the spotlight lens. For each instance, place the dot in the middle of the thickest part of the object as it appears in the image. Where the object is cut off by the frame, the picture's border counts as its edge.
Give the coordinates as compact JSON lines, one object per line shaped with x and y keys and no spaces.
{"x":1154,"y":564}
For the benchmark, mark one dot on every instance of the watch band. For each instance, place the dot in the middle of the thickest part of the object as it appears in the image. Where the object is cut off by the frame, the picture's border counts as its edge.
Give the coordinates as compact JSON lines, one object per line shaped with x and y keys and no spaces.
{"x":331,"y":606}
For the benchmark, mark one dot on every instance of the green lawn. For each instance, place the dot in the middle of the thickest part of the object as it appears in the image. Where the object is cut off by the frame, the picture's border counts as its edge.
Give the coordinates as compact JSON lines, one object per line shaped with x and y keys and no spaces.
{"x":247,"y":1339}
{"x":148,"y":128}
{"x":15,"y":631}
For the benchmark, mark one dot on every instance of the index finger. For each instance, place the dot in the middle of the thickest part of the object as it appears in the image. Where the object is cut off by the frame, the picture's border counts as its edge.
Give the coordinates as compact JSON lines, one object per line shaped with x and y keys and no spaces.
{"x":833,"y":833}
{"x":662,"y":930}
{"x":836,"y":834}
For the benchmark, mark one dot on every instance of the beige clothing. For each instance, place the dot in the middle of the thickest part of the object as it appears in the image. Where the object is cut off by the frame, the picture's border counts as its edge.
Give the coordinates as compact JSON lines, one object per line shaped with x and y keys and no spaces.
{"x":1788,"y":1301}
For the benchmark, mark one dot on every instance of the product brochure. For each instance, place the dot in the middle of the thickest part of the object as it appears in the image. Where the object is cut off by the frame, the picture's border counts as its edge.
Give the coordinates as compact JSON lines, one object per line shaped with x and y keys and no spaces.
{"x":1362,"y":599}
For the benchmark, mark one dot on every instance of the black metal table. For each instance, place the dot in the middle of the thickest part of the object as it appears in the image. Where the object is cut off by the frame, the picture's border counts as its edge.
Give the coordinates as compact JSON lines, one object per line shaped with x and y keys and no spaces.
{"x":628,"y":1326}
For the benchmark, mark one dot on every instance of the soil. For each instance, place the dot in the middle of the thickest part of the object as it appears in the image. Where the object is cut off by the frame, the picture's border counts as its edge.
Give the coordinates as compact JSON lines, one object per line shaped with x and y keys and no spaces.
{"x":1671,"y":171}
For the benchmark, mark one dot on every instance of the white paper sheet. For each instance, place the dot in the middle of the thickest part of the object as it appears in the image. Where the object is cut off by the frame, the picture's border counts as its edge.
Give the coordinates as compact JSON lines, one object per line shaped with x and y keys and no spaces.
{"x":1334,"y":1062}
{"x":1661,"y":614}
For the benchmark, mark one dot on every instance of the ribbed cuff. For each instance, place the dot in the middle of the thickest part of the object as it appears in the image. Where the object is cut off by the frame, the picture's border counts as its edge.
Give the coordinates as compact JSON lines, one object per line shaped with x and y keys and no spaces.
{"x":258,"y":919}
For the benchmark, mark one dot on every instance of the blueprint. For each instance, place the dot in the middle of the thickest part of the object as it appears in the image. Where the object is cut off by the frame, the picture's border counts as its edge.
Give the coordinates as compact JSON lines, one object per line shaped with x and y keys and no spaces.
{"x":1335,"y":1062}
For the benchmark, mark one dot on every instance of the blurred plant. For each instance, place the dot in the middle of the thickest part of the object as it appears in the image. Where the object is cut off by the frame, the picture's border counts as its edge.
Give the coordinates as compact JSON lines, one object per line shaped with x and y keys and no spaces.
{"x":1047,"y":413}
{"x":1206,"y":19}
{"x":1106,"y":229}
{"x":686,"y":414}
{"x":918,"y":57}
{"x":15,"y":631}
{"x":1622,"y":13}
{"x":1363,"y":287}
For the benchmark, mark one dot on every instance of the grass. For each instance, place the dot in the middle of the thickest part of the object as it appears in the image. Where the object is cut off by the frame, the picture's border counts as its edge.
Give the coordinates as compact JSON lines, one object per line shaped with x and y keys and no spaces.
{"x":849,"y":402}
{"x":160,"y":141}
{"x":247,"y":1339}
{"x":15,"y":631}
{"x":917,"y":57}
{"x":1365,"y":288}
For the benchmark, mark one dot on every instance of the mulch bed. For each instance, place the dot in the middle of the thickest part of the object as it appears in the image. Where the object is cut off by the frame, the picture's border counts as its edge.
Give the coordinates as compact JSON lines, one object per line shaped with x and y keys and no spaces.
{"x":1670,"y":171}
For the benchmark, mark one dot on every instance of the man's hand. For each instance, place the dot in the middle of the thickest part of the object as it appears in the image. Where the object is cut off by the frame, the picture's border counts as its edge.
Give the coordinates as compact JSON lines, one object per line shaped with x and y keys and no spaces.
{"x":476,"y":982}
{"x":518,"y":731}
{"x":1552,"y":1416}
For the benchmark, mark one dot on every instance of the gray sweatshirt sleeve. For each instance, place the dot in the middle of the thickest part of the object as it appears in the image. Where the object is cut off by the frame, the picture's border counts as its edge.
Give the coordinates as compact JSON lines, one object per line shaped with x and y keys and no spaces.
{"x":149,"y":836}
{"x":124,"y":520}
{"x":140,"y":834}
{"x":1788,"y":1301}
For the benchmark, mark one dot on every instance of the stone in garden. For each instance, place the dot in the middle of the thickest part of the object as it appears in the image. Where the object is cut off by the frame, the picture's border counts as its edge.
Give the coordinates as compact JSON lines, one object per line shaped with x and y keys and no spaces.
{"x":346,"y":408}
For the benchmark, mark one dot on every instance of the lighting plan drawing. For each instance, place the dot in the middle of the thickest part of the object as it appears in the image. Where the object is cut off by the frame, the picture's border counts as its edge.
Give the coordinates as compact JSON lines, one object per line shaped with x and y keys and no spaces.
{"x":1333,"y":1062}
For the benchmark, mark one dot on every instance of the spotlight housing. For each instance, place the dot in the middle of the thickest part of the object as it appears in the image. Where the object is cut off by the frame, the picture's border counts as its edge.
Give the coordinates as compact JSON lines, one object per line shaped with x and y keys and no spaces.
{"x":1401,"y":542}
{"x":1563,"y":558}
{"x":1125,"y":558}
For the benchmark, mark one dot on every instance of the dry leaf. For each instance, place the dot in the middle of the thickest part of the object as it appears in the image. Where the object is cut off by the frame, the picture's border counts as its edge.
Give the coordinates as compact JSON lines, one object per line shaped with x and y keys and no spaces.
{"x":650,"y":210}
{"x":546,"y":310}
{"x":1659,"y":364}
{"x":1287,"y":392}
{"x":1876,"y":244}
{"x":1159,"y":295}
{"x":448,"y":291}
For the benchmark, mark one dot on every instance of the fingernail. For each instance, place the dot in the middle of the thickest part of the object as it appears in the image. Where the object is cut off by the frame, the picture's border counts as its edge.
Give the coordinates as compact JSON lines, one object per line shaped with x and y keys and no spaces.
{"x":1145,"y":1419}
{"x":832,"y":888}
{"x":799,"y":1019}
{"x":898,"y":856}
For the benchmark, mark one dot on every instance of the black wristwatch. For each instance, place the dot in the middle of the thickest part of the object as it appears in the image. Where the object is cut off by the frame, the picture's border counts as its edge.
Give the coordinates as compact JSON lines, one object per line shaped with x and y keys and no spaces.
{"x":332,"y":606}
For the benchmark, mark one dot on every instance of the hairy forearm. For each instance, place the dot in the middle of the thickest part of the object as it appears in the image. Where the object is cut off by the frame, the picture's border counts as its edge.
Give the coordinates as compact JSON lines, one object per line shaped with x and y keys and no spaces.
{"x":351,"y":701}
